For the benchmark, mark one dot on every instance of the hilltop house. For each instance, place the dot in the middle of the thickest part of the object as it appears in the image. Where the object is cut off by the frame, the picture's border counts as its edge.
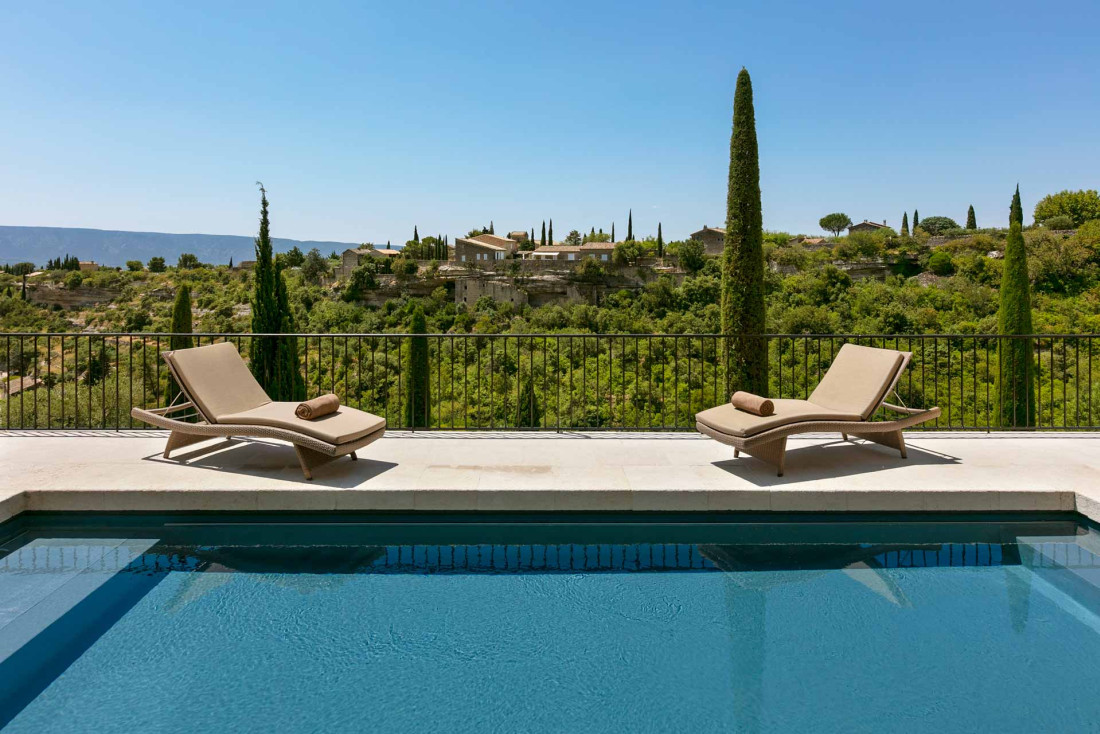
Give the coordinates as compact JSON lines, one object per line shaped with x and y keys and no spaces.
{"x":351,"y":259}
{"x":476,"y":249}
{"x":713,"y":239}
{"x":518,"y":236}
{"x":601,"y":251}
{"x":867,"y":226}
{"x":507,"y":243}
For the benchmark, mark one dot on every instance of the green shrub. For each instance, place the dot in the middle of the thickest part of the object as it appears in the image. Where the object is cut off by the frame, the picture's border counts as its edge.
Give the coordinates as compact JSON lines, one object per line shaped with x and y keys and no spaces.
{"x":938,"y":225}
{"x":940,"y":263}
{"x":1060,"y":221}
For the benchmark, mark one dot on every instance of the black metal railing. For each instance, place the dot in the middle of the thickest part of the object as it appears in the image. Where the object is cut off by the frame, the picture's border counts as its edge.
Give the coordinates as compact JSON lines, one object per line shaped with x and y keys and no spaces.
{"x":548,"y":381}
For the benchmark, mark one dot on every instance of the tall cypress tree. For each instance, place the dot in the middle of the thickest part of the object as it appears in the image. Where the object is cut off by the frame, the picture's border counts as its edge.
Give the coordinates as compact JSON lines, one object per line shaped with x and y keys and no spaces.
{"x":528,"y":409}
{"x":492,"y":229}
{"x":1015,"y":381}
{"x":742,"y":308}
{"x":290,"y":385}
{"x":1016,"y":211}
{"x":417,"y":395}
{"x":265,"y":309}
{"x":916,"y":220}
{"x":905,"y":224}
{"x":181,"y":320}
{"x":416,"y":235}
{"x":630,"y":225}
{"x":612,"y":231}
{"x":542,"y":242}
{"x":181,"y":324}
{"x":660,"y":242}
{"x":550,"y":234}
{"x":971,"y":220}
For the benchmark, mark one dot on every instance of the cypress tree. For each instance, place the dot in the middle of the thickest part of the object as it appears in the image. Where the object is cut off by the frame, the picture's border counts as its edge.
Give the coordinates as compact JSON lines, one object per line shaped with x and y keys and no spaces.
{"x":660,"y":242}
{"x":550,"y":235}
{"x":416,"y":235}
{"x":528,"y":409}
{"x":916,"y":220}
{"x":230,"y":262}
{"x":416,"y":373}
{"x":181,"y":320}
{"x":1016,"y":211}
{"x":971,"y":220}
{"x":612,"y":231}
{"x":290,"y":385}
{"x":265,"y":309}
{"x":630,"y":225}
{"x":742,"y":308}
{"x":905,"y":224}
{"x":542,"y":242}
{"x":1015,"y":383}
{"x":492,"y":229}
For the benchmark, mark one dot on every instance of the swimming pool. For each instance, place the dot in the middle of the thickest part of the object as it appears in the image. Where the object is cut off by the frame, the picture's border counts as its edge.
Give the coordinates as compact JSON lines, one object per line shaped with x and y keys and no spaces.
{"x":410,"y":624}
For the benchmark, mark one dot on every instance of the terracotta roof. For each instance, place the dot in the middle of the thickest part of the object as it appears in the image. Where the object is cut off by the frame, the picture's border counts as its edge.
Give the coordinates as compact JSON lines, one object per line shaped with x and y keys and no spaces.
{"x":719,"y":230}
{"x":599,"y":245}
{"x":375,"y":250}
{"x":867,"y":221}
{"x":481,"y":243}
{"x":492,"y":239}
{"x":557,"y":248}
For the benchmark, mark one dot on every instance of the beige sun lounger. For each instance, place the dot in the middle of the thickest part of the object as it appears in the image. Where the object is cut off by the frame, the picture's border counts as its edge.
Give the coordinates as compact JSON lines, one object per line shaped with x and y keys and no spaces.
{"x":226,"y":400}
{"x":855,"y":386}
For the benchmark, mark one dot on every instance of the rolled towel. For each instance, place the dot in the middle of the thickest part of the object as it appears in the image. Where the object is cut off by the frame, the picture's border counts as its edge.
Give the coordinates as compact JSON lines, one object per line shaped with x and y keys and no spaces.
{"x":317,"y":407}
{"x":754,"y":404}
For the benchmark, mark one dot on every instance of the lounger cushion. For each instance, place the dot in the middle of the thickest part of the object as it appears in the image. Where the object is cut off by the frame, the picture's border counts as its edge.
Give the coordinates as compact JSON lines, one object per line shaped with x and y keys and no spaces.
{"x":343,"y":426}
{"x":217,"y":380}
{"x":733,"y":422}
{"x":858,"y":379}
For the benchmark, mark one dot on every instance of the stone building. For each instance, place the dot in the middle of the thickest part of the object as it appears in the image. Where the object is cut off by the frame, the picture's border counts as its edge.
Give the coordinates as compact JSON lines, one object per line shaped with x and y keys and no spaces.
{"x":713,"y":239}
{"x":867,"y":226}
{"x":476,"y":249}
{"x":351,"y":259}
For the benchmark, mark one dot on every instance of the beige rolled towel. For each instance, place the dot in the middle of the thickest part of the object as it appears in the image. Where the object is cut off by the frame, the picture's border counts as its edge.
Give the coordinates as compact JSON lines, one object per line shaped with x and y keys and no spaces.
{"x":754,"y":404}
{"x":319,"y":406}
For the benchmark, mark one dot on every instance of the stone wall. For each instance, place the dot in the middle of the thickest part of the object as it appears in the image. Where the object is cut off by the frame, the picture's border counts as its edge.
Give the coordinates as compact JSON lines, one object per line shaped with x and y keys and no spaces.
{"x":51,"y":295}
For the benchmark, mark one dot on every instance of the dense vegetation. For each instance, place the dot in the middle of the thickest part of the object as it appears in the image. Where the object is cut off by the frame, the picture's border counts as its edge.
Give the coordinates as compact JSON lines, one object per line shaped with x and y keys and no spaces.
{"x":509,"y":381}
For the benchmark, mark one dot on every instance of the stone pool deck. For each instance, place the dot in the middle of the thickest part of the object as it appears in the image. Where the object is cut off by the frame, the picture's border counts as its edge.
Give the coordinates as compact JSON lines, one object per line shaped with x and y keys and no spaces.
{"x":105,"y":471}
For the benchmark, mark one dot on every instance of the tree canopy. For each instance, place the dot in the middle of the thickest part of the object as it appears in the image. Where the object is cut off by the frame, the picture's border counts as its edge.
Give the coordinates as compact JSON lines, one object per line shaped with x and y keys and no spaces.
{"x":1080,"y":206}
{"x":836,"y":223}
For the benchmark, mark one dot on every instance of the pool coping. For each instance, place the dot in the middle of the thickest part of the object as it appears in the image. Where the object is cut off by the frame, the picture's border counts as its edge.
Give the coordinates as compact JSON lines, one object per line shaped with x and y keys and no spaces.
{"x":668,"y":473}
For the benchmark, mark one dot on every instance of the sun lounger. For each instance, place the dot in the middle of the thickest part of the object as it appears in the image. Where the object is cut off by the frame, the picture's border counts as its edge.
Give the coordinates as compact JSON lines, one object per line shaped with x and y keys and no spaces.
{"x":222,"y":398}
{"x":855,"y":386}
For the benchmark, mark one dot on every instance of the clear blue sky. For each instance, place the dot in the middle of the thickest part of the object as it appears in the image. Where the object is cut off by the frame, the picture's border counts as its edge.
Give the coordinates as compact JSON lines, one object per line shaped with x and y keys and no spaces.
{"x":363,"y":119}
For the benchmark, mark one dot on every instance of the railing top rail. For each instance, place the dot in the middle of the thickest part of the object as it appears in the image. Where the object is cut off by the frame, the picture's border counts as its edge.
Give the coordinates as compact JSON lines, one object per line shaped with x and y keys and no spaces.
{"x":577,"y":335}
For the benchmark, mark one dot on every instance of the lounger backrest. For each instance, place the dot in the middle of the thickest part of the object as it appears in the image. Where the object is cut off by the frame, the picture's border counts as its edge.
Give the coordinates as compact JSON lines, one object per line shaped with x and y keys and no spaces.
{"x":859,"y":379}
{"x":217,"y":380}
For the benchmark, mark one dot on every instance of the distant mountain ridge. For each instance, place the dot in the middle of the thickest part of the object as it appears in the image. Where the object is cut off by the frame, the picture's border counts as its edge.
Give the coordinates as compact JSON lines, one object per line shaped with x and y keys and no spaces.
{"x":115,"y":247}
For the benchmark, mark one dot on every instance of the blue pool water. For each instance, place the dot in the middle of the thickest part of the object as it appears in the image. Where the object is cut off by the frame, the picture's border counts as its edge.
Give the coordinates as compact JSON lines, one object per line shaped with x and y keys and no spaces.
{"x":159,"y":627}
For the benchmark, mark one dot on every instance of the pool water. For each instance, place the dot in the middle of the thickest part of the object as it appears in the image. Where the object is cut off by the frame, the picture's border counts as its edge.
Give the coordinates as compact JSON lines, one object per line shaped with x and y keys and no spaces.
{"x":156,"y":625}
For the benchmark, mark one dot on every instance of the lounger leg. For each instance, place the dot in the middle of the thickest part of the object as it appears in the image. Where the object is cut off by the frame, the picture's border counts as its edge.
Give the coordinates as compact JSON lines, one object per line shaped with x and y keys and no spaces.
{"x":178,"y":439}
{"x":773,"y":452}
{"x":310,"y":459}
{"x":353,"y":456}
{"x":843,"y":436}
{"x":892,"y":439}
{"x":736,"y":453}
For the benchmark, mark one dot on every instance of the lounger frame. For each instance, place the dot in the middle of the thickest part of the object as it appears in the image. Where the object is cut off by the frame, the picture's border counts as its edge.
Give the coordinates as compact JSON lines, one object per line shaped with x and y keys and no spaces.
{"x":312,"y":452}
{"x":771,"y":445}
